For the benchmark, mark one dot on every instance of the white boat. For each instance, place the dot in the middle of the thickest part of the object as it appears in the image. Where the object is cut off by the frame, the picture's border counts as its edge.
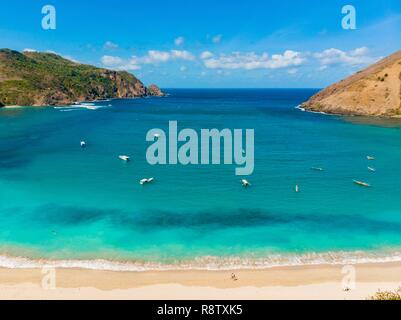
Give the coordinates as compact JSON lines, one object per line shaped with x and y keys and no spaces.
{"x":125,"y":158}
{"x":361,"y":183}
{"x":245,"y":183}
{"x":371,"y":169}
{"x":296,"y":188}
{"x":156,"y":135}
{"x":370,"y":158}
{"x":145,"y":181}
{"x":83,"y":144}
{"x":317,"y":169}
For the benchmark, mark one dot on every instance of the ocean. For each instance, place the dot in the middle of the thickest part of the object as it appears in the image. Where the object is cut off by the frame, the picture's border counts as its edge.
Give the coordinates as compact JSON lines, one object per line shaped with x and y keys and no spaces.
{"x":69,"y":206}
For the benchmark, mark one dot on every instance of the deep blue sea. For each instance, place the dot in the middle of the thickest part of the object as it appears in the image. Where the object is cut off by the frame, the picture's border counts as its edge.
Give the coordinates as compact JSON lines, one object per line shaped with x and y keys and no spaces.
{"x":61,"y":202}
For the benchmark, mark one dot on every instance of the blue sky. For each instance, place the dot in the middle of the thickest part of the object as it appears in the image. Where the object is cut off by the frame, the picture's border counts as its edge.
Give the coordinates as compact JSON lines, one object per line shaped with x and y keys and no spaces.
{"x":277,"y":43}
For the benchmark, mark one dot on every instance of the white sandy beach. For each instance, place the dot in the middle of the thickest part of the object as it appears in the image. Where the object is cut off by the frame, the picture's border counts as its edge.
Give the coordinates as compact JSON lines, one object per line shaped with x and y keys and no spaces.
{"x":309,"y":282}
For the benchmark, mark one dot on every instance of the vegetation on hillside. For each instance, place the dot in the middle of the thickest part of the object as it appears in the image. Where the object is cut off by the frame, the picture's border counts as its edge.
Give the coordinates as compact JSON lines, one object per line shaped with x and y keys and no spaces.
{"x":387,"y":295}
{"x":34,"y":78}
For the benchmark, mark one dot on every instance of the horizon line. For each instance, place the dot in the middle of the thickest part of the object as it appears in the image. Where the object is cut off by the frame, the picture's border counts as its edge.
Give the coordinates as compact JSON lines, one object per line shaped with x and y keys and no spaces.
{"x":239,"y":88}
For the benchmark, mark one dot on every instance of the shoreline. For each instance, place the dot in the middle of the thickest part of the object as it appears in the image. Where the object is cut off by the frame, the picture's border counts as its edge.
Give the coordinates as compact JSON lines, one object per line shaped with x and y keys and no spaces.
{"x":209,"y":263}
{"x":82,"y":103}
{"x":303,"y":108}
{"x":302,"y":282}
{"x":12,"y":107}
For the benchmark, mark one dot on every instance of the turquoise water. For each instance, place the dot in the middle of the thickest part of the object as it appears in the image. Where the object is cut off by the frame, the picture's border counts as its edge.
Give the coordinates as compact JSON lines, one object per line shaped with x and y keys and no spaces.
{"x":58,"y":201}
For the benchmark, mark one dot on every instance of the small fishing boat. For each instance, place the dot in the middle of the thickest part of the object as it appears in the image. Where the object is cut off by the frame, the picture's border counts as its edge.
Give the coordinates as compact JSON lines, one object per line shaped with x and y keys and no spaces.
{"x":125,"y":158}
{"x":371,"y":169}
{"x":361,"y":183}
{"x":317,"y":169}
{"x":245,"y":183}
{"x":371,"y":158}
{"x":145,"y":181}
{"x":296,"y":188}
{"x":83,"y":144}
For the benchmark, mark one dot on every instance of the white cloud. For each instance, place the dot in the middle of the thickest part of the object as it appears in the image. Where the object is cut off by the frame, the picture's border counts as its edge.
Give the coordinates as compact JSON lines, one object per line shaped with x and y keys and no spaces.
{"x":217,"y":38}
{"x":152,"y":57}
{"x":110,"y":45}
{"x":29,"y":50}
{"x":130,"y":66}
{"x":155,"y":56}
{"x":111,"y":61}
{"x":179,"y":41}
{"x":183,"y":55}
{"x":359,"y":56}
{"x":119,"y":63}
{"x":242,"y":60}
{"x":206,"y":55}
{"x":251,"y":61}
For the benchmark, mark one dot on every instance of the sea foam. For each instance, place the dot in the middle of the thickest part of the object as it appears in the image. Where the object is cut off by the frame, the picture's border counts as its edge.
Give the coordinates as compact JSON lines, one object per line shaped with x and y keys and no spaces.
{"x":88,"y":106}
{"x":209,"y":262}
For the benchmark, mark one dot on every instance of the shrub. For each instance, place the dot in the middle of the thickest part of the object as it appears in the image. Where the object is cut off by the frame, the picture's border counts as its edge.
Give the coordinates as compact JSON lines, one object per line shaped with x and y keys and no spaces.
{"x":387,"y":295}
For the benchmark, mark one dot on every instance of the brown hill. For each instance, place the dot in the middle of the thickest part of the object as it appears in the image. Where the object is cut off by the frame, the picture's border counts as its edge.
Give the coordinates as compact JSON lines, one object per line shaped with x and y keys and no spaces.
{"x":374,"y":91}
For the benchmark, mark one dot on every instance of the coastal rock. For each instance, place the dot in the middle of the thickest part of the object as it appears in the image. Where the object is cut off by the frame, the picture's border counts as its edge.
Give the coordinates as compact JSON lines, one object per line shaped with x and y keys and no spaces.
{"x":1,"y":105}
{"x":40,"y":79}
{"x":154,"y":90}
{"x":374,"y":91}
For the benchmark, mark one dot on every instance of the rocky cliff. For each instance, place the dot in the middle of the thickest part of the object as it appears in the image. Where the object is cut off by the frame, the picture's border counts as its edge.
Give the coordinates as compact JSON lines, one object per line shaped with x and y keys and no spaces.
{"x":374,"y":91}
{"x":40,"y":79}
{"x":154,"y":90}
